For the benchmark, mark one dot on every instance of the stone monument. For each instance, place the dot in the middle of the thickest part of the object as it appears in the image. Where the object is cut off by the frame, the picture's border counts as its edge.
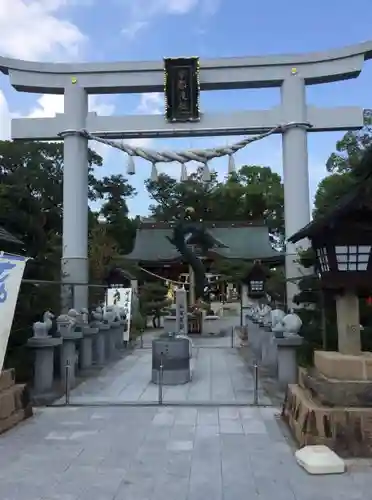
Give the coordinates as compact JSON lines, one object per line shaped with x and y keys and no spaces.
{"x":332,"y":404}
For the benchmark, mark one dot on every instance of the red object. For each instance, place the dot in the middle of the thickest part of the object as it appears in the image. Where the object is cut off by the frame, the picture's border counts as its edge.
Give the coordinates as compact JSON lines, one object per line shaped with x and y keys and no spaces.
{"x":369,"y":301}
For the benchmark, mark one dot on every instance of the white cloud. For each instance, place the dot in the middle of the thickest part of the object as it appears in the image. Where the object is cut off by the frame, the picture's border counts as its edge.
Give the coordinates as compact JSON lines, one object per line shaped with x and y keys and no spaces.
{"x":32,"y":29}
{"x":150,"y":104}
{"x":48,"y":105}
{"x":133,"y":29}
{"x":142,"y":12}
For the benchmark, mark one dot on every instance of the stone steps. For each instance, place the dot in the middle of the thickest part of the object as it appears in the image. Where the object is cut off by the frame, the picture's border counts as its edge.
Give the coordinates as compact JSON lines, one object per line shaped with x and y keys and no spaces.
{"x":15,"y":403}
{"x":347,"y":431}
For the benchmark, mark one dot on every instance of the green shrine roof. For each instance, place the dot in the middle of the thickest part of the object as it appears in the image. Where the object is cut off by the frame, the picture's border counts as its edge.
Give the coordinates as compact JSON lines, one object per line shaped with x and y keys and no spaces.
{"x":235,"y":240}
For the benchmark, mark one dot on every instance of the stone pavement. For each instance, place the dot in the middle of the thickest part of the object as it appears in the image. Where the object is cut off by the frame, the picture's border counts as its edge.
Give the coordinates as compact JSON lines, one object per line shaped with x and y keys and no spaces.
{"x":220,"y":376}
{"x":157,"y":453}
{"x":188,"y":452}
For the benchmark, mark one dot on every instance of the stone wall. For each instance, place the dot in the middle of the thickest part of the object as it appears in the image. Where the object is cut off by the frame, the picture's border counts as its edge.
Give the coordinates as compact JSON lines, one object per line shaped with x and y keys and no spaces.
{"x":15,"y":403}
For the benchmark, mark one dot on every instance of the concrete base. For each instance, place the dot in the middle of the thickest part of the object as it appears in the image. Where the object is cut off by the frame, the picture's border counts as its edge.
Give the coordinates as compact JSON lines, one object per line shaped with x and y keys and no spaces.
{"x":69,"y":358}
{"x":15,"y":403}
{"x":333,"y":392}
{"x":172,"y":377}
{"x":269,"y":353}
{"x":173,"y":356}
{"x":99,"y":350}
{"x":319,"y":459}
{"x":347,"y":431}
{"x":339,"y":366}
{"x":44,"y":362}
{"x":287,"y":359}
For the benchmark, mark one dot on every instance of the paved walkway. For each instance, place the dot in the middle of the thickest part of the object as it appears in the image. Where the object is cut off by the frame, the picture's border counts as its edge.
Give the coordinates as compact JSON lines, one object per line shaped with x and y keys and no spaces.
{"x":142,"y":453}
{"x":162,"y":453}
{"x":219,"y":376}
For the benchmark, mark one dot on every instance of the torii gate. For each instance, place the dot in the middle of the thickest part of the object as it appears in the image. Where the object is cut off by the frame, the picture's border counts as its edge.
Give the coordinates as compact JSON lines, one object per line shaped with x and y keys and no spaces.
{"x":76,"y":81}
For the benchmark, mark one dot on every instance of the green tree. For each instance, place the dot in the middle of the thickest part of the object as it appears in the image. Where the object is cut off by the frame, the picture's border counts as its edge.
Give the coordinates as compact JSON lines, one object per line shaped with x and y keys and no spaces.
{"x":31,"y":206}
{"x":153,"y":300}
{"x":253,"y":193}
{"x":114,"y":191}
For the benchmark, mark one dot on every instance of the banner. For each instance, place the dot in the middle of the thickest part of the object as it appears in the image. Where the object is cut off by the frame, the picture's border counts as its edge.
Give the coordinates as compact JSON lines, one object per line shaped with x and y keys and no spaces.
{"x":11,"y":273}
{"x":122,"y":298}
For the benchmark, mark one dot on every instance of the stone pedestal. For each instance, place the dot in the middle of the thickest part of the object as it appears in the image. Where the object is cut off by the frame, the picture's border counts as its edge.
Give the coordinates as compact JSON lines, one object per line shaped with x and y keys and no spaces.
{"x":109,"y":347}
{"x":69,"y":355}
{"x":348,"y":324}
{"x":254,"y":338}
{"x":115,"y":333}
{"x":174,"y":355}
{"x":287,"y":359}
{"x":44,"y":362}
{"x":332,"y":404}
{"x":87,"y":346}
{"x":120,"y":335}
{"x":269,"y":350}
{"x":15,"y":403}
{"x":102,"y":343}
{"x":99,"y":351}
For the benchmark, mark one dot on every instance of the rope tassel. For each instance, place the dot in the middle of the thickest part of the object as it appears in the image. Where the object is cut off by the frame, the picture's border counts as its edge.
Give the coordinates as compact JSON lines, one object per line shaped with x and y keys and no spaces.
{"x":231,"y":166}
{"x":131,"y":167}
{"x":183,"y":173}
{"x":154,"y":173}
{"x":206,"y":175}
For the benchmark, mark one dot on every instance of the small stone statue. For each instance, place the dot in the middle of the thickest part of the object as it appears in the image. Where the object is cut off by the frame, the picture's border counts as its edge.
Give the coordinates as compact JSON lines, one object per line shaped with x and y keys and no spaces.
{"x":41,"y":328}
{"x":108,"y":316}
{"x":277,"y":316}
{"x":264,"y":313}
{"x":65,"y":324}
{"x":97,"y":314}
{"x":85,"y":315}
{"x":292,"y":324}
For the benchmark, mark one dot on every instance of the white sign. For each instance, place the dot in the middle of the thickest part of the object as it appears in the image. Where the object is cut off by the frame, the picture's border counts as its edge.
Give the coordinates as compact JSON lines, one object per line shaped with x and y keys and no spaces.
{"x":122,"y":298}
{"x":11,"y":273}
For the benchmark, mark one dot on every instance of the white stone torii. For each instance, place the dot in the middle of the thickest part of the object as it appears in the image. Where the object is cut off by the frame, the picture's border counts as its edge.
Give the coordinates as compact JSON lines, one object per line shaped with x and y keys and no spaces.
{"x":76,"y":81}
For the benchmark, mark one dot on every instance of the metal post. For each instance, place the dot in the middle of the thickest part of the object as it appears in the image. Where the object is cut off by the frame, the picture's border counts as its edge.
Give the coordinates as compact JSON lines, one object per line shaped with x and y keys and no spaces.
{"x":241,"y":306}
{"x":141,"y":339}
{"x":232,"y":336}
{"x":160,"y":385}
{"x":255,"y":377}
{"x":67,"y":383}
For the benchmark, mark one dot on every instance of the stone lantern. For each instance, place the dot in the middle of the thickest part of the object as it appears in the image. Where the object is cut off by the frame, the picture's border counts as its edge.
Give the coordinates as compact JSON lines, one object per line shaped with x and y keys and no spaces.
{"x":255,"y":281}
{"x":339,"y":411}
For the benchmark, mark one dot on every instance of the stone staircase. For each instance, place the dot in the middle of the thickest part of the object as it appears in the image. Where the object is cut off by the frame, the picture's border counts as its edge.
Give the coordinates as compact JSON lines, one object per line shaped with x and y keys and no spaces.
{"x":15,"y":403}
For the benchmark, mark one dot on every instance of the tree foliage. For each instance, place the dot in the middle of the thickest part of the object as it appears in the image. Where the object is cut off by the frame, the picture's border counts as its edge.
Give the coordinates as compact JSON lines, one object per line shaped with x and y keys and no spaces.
{"x":253,"y":193}
{"x":31,"y":208}
{"x":319,"y":321}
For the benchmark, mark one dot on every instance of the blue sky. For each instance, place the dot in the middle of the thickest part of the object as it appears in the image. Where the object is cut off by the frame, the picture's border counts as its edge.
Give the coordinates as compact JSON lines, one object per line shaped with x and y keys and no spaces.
{"x":96,"y":30}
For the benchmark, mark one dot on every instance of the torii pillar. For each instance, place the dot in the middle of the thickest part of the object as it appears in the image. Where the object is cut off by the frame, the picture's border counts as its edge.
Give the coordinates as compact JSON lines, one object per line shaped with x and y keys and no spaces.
{"x":295,"y":174}
{"x":75,"y":265}
{"x":76,"y":81}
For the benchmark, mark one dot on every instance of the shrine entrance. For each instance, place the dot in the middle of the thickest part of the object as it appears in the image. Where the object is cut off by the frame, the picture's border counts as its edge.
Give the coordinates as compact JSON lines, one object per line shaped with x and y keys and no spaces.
{"x":183,"y":81}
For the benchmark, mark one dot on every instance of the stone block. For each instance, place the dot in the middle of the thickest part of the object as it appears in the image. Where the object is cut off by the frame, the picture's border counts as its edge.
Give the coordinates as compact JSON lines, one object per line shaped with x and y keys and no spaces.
{"x":13,"y":419}
{"x":7,"y":402}
{"x":333,"y":392}
{"x":339,"y":366}
{"x":7,"y":379}
{"x":14,"y":406}
{"x":346,"y":431}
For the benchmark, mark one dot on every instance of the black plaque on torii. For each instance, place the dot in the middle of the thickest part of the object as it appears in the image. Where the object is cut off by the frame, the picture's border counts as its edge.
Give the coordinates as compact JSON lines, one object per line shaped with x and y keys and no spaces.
{"x":182,"y":89}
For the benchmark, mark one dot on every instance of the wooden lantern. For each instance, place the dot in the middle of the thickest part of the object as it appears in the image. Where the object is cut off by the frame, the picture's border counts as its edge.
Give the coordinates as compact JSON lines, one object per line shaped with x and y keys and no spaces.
{"x":342,"y":241}
{"x":255,"y":280}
